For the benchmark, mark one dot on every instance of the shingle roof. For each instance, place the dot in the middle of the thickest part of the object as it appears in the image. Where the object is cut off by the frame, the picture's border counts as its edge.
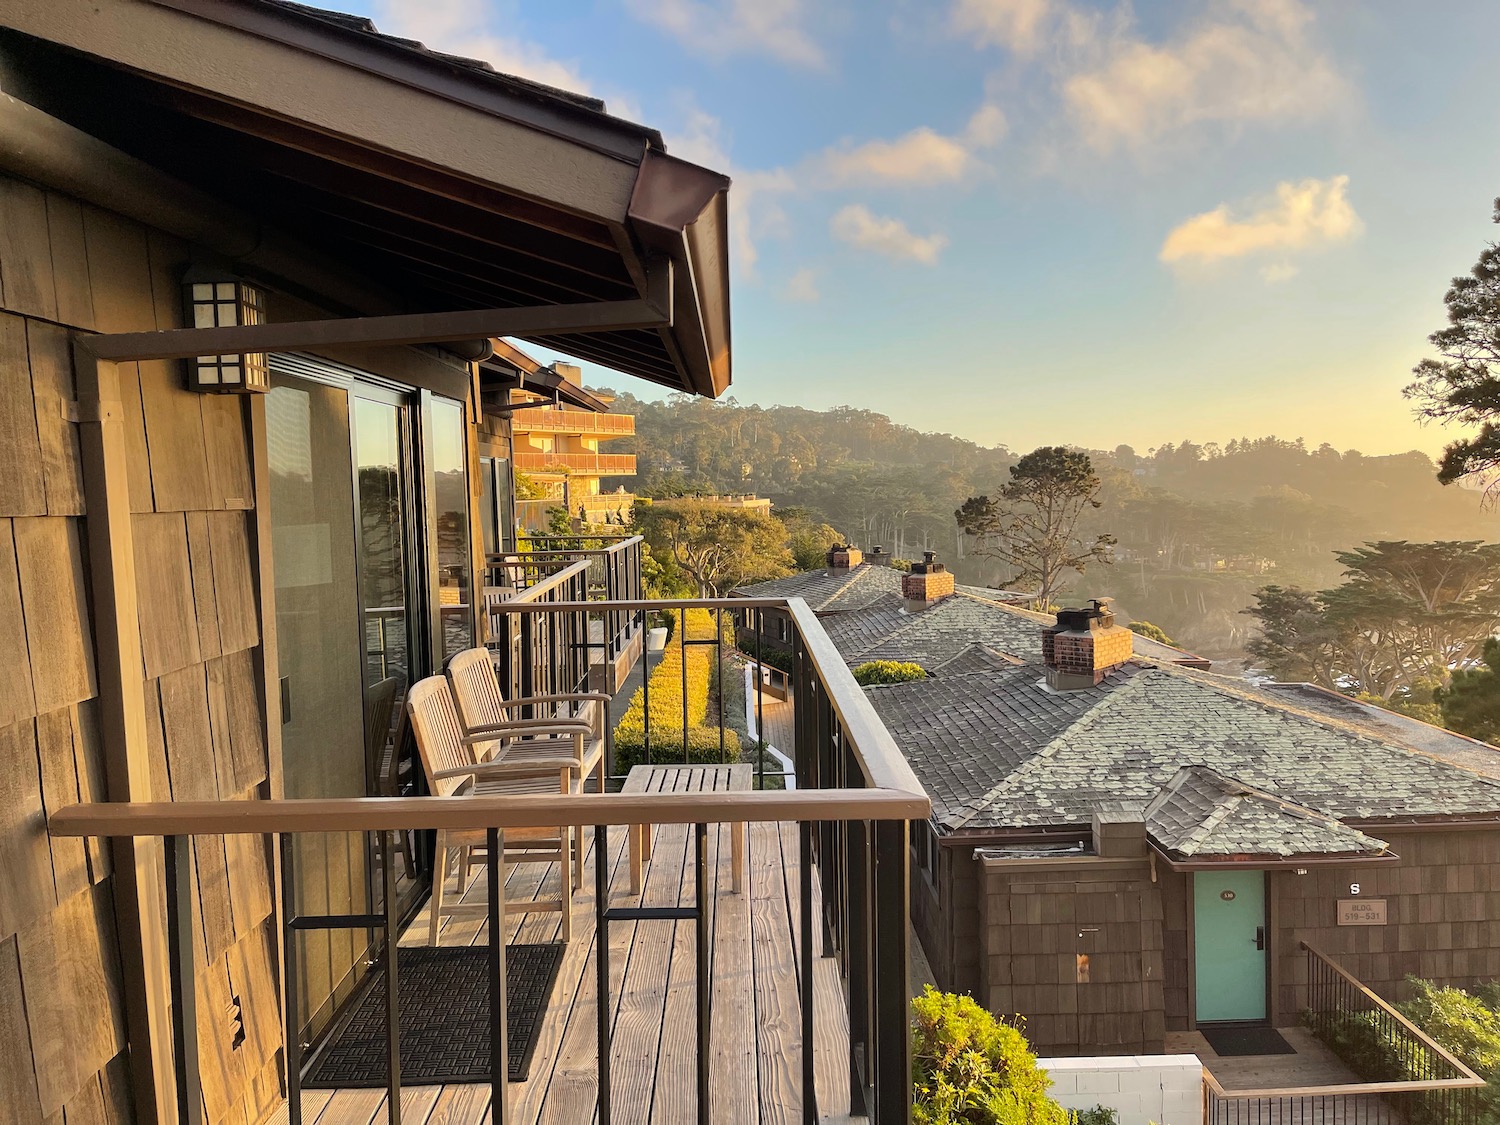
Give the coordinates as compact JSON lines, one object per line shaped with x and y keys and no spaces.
{"x":837,"y":590}
{"x":937,"y":633}
{"x":1127,"y":738}
{"x":1203,"y":814}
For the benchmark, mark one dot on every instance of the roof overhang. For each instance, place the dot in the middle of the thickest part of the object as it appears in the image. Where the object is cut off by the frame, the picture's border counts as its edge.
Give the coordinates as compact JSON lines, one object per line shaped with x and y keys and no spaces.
{"x":1269,"y":862}
{"x":451,"y":187}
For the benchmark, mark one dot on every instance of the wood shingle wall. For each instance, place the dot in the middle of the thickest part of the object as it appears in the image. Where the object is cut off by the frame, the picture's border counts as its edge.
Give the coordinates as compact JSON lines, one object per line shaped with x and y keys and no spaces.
{"x":63,"y":266}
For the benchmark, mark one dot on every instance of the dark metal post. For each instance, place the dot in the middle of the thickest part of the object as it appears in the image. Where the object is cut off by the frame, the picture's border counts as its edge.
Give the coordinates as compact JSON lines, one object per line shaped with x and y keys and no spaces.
{"x":494,"y":871}
{"x":805,"y":971}
{"x":292,"y":982}
{"x":892,"y":961}
{"x":180,"y":941}
{"x":392,"y":981}
{"x":601,"y":960}
{"x":857,"y":963}
{"x":682,"y":637}
{"x":700,"y":843}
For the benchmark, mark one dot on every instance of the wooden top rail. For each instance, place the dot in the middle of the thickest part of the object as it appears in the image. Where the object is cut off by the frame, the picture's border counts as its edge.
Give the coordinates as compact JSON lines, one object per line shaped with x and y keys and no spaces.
{"x":1354,"y":1089}
{"x":372,"y":814}
{"x":546,"y":586}
{"x":1411,"y":1028}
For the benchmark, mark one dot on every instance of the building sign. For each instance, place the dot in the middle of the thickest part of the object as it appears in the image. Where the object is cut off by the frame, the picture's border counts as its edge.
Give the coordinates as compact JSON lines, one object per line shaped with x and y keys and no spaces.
{"x":1361,"y":912}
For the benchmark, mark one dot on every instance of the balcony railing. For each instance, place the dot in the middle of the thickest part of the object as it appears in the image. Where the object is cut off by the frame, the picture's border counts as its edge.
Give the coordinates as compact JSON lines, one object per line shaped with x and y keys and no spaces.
{"x":853,"y":802}
{"x":1369,"y":1035}
{"x":538,"y":420}
{"x":589,"y":464}
{"x":556,"y":652}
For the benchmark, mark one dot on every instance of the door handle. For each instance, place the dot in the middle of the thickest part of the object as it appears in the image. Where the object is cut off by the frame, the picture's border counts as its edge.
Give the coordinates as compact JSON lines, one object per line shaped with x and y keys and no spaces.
{"x":1260,"y":937}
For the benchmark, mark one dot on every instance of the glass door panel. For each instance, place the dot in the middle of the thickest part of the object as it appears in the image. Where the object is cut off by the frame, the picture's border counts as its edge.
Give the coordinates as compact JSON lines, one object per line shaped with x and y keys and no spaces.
{"x":450,"y":521}
{"x":321,"y":668}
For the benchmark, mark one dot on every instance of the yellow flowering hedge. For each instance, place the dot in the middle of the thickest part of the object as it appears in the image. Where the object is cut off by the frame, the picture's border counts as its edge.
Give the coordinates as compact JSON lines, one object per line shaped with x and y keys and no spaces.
{"x":667,"y":705}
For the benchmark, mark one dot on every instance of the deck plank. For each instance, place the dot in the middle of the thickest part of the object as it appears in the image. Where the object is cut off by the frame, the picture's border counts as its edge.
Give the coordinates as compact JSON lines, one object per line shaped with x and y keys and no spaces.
{"x":756,"y":1015}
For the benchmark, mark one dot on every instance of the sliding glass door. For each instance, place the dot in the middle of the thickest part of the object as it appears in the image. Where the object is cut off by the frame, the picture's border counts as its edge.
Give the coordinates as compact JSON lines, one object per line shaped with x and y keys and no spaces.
{"x":370,"y":522}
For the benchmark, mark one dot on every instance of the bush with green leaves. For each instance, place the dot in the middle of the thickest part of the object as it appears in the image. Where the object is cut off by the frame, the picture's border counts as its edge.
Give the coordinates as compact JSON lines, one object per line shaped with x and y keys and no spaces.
{"x":699,"y":744}
{"x":887,"y":672}
{"x":1098,"y":1115}
{"x":1463,"y":1023}
{"x":970,"y":1068}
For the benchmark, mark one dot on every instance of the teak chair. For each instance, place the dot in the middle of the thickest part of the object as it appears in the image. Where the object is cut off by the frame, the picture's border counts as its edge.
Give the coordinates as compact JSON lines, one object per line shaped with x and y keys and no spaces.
{"x":499,"y":735}
{"x":451,"y":770}
{"x":383,"y":747}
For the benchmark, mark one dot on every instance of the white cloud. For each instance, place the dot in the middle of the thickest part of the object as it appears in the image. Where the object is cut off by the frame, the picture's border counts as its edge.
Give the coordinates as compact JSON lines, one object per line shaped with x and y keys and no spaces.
{"x":1277,"y":272}
{"x":1014,"y":24}
{"x":921,"y":157}
{"x":461,"y":27}
{"x":1300,"y":216}
{"x":802,"y":287}
{"x":731,"y":27}
{"x":857,"y":226}
{"x":1248,"y":61}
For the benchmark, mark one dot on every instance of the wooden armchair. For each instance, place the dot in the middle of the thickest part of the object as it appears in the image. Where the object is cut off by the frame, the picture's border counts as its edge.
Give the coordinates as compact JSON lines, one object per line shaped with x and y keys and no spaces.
{"x":577,"y":727}
{"x":448,"y":761}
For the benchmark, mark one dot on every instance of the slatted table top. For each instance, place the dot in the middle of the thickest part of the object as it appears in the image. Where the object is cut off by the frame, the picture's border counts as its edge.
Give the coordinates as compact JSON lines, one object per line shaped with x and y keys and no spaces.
{"x":733,"y":778}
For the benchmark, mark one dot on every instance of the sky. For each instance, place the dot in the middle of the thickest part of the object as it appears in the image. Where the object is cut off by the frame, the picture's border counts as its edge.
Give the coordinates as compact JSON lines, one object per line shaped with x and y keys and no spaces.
{"x":1029,"y":222}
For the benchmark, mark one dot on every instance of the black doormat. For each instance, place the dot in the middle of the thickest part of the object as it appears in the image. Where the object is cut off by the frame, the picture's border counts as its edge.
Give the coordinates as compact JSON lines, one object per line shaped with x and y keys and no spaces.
{"x":445,"y":1019}
{"x":1243,"y":1039}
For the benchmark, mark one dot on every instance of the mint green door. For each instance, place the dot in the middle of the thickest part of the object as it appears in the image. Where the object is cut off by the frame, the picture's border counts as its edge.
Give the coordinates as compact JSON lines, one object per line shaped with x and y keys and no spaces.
{"x":1229,"y":939}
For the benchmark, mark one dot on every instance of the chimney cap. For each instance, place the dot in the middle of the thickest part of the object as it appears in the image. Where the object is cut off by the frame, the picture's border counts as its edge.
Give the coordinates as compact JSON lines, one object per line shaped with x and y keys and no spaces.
{"x":928,"y":565}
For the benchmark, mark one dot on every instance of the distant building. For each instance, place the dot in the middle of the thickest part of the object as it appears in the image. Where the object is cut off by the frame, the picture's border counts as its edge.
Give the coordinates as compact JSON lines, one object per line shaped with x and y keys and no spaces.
{"x":557,"y":445}
{"x":743,"y":502}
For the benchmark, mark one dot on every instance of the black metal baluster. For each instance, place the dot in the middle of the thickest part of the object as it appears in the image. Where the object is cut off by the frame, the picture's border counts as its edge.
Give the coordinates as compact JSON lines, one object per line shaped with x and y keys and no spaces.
{"x":601,"y":960}
{"x":805,"y":971}
{"x":700,"y":839}
{"x":180,"y":941}
{"x":892,"y":966}
{"x":290,"y":972}
{"x":392,"y":980}
{"x":494,"y":872}
{"x":682,"y":634}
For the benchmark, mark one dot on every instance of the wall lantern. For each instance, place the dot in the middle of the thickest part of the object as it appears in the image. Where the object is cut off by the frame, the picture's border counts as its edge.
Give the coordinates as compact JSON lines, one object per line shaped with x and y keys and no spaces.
{"x":219,"y":301}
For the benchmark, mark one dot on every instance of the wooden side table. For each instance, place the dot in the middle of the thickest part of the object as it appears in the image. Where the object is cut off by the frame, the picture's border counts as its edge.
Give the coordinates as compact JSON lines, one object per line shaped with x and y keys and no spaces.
{"x":687,"y":780}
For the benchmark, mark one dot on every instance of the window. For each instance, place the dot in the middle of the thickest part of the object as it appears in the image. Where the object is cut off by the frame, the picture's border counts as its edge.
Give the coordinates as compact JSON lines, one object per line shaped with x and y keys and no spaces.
{"x":496,"y":505}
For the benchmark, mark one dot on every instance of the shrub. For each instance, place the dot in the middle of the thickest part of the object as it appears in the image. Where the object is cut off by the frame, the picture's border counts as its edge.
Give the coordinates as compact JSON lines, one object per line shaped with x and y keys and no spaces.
{"x":772,"y":655}
{"x":970,"y":1068}
{"x":887,"y":672}
{"x":1461,"y":1023}
{"x":667,"y":706}
{"x":1151,"y":632}
{"x":1098,"y":1115}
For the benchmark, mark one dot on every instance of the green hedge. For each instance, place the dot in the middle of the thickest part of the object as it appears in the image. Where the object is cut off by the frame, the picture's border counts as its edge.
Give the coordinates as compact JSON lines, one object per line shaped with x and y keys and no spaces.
{"x":772,"y":654}
{"x":667,"y":706}
{"x":887,"y":672}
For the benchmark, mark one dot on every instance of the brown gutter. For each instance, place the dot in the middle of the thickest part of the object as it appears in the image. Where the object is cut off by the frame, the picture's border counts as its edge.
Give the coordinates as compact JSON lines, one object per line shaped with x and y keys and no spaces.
{"x":1266,"y":863}
{"x":682,"y":210}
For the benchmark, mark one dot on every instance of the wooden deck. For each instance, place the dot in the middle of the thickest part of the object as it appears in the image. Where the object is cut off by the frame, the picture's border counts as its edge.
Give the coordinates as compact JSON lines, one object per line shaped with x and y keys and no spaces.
{"x":756,"y":1017}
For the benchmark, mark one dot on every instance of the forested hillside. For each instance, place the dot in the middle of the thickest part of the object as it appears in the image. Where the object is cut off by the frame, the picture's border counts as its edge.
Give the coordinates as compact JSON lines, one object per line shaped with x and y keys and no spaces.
{"x":1200,"y":527}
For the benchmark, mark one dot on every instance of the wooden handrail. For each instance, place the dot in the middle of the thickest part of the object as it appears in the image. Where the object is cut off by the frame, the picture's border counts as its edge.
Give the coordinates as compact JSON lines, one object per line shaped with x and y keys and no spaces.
{"x":1415,"y":1031}
{"x":371,"y":814}
{"x":1354,"y":1089}
{"x":545,"y":586}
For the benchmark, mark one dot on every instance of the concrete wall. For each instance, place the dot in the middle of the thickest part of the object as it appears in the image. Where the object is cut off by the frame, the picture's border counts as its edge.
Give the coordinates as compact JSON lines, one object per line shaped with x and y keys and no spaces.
{"x":1154,"y":1089}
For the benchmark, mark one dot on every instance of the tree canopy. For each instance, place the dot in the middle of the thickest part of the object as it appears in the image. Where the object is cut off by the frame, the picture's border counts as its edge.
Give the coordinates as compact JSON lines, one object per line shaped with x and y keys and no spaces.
{"x":1407,"y":616}
{"x":717,"y":547}
{"x":1462,"y":385}
{"x":1030,"y":525}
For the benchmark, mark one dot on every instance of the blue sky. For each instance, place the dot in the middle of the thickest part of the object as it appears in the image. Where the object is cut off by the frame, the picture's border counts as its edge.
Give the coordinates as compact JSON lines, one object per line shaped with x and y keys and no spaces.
{"x":1037,"y":221}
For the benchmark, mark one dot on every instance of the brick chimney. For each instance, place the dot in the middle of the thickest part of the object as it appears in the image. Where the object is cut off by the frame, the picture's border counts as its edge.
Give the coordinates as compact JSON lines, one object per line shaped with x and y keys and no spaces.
{"x":879,"y":556}
{"x":928,"y":583}
{"x":1084,"y":646}
{"x":844,"y":557}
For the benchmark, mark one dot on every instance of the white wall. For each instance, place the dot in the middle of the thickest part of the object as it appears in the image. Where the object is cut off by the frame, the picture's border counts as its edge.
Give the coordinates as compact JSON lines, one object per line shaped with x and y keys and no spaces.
{"x":1164,"y":1089}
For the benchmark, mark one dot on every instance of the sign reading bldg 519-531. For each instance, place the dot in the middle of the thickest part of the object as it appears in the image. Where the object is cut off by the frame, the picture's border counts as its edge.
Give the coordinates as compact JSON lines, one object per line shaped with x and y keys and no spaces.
{"x":1362,"y":912}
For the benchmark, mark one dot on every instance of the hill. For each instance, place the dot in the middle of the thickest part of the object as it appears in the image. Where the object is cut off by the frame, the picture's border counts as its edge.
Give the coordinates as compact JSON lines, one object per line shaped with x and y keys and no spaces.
{"x":1200,"y":527}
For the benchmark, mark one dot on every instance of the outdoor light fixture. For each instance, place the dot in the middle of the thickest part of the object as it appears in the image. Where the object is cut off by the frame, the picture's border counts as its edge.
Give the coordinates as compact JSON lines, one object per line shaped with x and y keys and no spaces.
{"x":220,"y":301}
